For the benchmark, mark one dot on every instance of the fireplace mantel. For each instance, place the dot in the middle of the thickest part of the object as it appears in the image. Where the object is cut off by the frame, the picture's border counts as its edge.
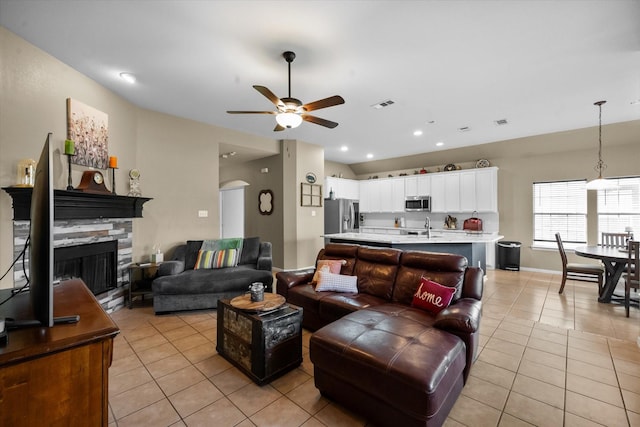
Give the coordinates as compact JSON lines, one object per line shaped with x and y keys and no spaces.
{"x":78,"y":204}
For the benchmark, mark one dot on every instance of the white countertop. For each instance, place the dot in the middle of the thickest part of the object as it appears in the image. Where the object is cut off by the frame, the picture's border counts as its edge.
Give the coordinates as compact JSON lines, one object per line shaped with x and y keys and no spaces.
{"x":436,"y":237}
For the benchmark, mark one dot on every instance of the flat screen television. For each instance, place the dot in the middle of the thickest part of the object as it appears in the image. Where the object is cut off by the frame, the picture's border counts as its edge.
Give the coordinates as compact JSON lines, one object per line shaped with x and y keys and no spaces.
{"x":41,"y":239}
{"x":41,"y":276}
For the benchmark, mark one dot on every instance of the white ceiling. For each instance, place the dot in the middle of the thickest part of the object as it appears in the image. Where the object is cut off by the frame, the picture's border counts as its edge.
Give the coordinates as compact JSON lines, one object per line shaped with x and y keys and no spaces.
{"x":539,"y":64}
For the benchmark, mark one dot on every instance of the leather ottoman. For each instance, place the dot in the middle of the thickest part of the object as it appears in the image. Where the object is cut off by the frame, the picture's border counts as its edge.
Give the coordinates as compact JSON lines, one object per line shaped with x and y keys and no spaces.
{"x":387,"y":364}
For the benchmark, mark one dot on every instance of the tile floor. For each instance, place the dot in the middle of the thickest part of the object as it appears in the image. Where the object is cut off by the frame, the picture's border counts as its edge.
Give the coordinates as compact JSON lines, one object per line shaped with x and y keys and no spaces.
{"x":545,"y":359}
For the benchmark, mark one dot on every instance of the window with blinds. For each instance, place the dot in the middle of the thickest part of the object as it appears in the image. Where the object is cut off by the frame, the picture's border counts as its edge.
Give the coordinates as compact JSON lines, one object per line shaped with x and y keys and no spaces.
{"x":619,"y":207}
{"x":559,"y":207}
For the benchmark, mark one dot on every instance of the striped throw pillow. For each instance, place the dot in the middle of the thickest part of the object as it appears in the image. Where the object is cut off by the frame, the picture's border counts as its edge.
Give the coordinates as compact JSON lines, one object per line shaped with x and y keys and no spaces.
{"x":216,"y":259}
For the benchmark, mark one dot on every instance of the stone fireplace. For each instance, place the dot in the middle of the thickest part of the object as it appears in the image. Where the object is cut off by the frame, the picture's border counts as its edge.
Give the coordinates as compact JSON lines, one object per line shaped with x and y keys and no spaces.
{"x":93,"y":240}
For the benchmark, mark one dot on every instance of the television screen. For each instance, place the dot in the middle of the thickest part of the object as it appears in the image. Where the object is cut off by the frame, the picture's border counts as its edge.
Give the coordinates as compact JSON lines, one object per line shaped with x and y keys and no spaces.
{"x":41,"y":237}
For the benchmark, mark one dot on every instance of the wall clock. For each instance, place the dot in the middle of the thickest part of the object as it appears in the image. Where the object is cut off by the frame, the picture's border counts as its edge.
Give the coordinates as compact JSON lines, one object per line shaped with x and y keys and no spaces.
{"x":265,"y":202}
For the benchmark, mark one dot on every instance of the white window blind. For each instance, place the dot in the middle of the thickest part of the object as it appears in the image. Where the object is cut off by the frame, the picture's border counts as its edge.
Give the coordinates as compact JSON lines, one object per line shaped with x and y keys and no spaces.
{"x":559,"y":207}
{"x":619,"y":207}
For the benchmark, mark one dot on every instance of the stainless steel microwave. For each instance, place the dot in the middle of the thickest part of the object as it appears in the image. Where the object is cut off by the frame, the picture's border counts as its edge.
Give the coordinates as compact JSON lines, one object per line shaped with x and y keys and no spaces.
{"x":417,"y":204}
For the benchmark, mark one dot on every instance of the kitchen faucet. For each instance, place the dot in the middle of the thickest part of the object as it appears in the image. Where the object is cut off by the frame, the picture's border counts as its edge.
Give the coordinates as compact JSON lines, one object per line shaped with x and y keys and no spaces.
{"x":427,"y":225}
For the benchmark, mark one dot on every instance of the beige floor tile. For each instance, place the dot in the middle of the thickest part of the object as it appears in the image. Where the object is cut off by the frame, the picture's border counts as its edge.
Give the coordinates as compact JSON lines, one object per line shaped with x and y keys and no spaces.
{"x":230,"y":380}
{"x":201,"y":352}
{"x":471,"y":412}
{"x":308,"y":397}
{"x":596,"y":390}
{"x":335,"y":415}
{"x":572,"y":420}
{"x":543,"y":373}
{"x":135,"y":399}
{"x":213,"y":365}
{"x":156,"y":353}
{"x":180,"y":380}
{"x":221,"y":413}
{"x":516,"y":328}
{"x":511,"y":337}
{"x":181,"y":332}
{"x":159,"y":414}
{"x":548,"y":346}
{"x":128,"y":380}
{"x":500,"y":359}
{"x":124,"y":364}
{"x":533,"y":411}
{"x":252,"y":398}
{"x":493,"y":374}
{"x":290,"y":380}
{"x":601,"y":347}
{"x":631,"y":401}
{"x":486,"y":392}
{"x":313,"y":422}
{"x":282,"y":413}
{"x":627,"y":368}
{"x":595,"y":410}
{"x":167,"y":323}
{"x":194,"y":398}
{"x":539,"y":390}
{"x":148,"y":342}
{"x":506,"y":347}
{"x":190,"y":341}
{"x":602,"y":375}
{"x":629,"y":382}
{"x":544,"y":358}
{"x":510,"y":421}
{"x":634,"y":419}
{"x":551,"y":336}
{"x":167,"y":365}
{"x":205,"y":325}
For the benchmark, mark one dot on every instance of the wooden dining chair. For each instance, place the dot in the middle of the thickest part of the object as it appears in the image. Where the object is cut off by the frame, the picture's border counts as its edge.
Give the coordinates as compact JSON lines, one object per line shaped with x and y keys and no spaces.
{"x":618,"y":240}
{"x":631,"y":277}
{"x":584,"y":272}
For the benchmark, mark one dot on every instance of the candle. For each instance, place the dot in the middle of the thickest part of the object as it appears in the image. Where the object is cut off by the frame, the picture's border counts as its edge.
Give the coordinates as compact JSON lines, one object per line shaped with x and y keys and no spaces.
{"x":113,"y":162}
{"x":69,"y":147}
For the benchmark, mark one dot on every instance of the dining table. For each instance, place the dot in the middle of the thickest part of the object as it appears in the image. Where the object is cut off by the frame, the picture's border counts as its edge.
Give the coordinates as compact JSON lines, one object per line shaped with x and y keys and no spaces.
{"x":614,"y":260}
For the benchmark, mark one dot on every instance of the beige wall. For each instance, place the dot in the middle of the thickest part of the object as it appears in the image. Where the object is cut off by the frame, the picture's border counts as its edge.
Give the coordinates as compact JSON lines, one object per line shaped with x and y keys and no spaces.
{"x":177,"y":158}
{"x":521,"y":162}
{"x":338,"y":169}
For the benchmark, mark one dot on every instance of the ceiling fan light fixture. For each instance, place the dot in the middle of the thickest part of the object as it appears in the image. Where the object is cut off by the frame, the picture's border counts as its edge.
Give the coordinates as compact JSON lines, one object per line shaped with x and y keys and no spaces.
{"x":289,"y":120}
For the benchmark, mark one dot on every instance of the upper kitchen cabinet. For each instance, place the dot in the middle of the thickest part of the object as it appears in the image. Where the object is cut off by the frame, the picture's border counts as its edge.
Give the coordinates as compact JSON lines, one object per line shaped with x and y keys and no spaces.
{"x":445,"y":192}
{"x":417,"y":185}
{"x":382,"y":195}
{"x":465,"y":191}
{"x":342,"y":188}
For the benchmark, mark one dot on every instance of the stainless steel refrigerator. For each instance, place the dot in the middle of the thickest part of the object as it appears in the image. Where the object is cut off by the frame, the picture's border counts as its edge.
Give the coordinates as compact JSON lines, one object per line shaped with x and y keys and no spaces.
{"x":341,"y":216}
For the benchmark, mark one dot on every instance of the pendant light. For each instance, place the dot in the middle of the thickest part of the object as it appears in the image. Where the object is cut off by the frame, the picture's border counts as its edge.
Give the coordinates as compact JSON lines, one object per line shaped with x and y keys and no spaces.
{"x":599,"y":183}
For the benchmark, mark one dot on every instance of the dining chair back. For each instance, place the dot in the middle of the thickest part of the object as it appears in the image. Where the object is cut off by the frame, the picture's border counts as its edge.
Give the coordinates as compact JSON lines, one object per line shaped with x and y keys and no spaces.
{"x":631,"y":277}
{"x":618,"y":240}
{"x":585,"y":272}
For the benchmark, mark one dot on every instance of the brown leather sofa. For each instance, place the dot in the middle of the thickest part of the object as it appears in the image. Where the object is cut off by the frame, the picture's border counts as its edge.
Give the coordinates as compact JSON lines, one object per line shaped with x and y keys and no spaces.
{"x":372,"y":351}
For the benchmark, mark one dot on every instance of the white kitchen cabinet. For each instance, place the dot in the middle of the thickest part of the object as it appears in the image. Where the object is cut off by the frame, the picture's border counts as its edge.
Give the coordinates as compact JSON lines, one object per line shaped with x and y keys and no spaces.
{"x":382,"y":195}
{"x":417,"y":185}
{"x":342,"y":188}
{"x":424,"y":185}
{"x":397,"y":195}
{"x":487,"y":190}
{"x":465,"y":191}
{"x":468,"y":191}
{"x":370,"y":195}
{"x":445,"y":192}
{"x":411,"y":186}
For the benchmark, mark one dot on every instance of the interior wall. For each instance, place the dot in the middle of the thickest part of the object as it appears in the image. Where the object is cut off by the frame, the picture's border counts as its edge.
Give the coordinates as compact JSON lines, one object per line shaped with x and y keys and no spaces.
{"x":268,"y":227}
{"x":339,"y":170}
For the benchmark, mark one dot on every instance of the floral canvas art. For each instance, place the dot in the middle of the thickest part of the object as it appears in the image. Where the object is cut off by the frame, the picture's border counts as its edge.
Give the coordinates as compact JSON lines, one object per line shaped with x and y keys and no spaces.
{"x":88,"y":128}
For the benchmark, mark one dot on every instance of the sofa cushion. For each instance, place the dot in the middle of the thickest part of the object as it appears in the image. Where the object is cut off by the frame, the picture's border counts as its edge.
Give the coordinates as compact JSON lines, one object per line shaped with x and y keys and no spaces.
{"x":446,"y":269}
{"x":211,"y":281}
{"x":329,"y":265}
{"x":432,"y":296}
{"x":340,"y":251}
{"x":337,"y":305}
{"x":216,"y":259}
{"x":376,"y":269}
{"x":250,"y":251}
{"x":191,"y":253}
{"x":337,"y":283}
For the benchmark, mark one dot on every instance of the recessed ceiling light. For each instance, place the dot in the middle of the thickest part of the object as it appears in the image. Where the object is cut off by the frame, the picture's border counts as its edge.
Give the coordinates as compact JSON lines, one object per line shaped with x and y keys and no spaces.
{"x":344,"y":148}
{"x":128,"y":77}
{"x":369,"y":156}
{"x":439,"y":144}
{"x":417,"y":132}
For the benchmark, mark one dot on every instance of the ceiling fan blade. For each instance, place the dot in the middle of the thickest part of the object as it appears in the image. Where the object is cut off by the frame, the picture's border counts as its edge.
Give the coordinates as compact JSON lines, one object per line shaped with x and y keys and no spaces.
{"x":252,"y":112}
{"x":268,"y":94}
{"x":324,"y":103}
{"x":278,"y":128}
{"x":319,"y":121}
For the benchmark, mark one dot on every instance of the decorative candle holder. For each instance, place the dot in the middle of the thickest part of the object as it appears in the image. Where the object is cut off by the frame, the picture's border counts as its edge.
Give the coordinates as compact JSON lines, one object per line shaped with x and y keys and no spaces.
{"x":69,"y":183}
{"x":113,"y":180}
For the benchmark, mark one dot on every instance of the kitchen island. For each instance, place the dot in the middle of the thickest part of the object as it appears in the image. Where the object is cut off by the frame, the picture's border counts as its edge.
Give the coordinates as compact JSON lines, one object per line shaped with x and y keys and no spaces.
{"x":470,"y":245}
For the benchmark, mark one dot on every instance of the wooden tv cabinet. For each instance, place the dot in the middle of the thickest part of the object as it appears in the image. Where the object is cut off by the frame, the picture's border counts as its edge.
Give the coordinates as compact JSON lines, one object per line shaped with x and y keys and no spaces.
{"x":58,"y":375}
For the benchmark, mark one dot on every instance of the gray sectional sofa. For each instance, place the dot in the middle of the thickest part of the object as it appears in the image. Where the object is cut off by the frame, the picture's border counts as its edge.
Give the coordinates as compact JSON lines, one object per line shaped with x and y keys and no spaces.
{"x":179,"y":287}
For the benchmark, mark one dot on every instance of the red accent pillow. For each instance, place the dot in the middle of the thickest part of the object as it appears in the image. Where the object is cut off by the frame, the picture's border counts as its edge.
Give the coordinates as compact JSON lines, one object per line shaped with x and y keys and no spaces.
{"x":432,"y":296}
{"x":328,"y":265}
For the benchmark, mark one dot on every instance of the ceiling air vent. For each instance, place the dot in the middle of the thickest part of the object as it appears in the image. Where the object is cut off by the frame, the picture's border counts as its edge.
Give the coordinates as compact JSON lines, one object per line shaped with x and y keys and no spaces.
{"x":464,"y":129}
{"x":383,"y":104}
{"x":501,"y":122}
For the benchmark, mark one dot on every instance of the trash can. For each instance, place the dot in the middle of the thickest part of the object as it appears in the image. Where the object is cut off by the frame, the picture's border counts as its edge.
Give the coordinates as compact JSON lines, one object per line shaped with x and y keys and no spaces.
{"x":509,"y":255}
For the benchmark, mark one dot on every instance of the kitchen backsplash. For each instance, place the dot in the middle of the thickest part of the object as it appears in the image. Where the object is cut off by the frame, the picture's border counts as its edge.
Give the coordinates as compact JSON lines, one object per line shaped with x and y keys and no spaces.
{"x":490,"y":221}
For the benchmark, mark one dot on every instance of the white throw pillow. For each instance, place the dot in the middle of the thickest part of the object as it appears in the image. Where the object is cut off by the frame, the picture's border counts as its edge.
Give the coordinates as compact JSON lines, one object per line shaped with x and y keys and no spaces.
{"x":337,"y":283}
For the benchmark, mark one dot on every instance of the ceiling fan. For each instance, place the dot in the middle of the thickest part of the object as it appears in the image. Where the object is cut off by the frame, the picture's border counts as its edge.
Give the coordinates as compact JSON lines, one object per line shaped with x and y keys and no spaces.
{"x":290,"y":112}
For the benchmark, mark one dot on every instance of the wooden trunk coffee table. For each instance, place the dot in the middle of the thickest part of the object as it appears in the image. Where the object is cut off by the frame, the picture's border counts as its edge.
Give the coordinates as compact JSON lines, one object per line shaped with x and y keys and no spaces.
{"x":262,"y":341}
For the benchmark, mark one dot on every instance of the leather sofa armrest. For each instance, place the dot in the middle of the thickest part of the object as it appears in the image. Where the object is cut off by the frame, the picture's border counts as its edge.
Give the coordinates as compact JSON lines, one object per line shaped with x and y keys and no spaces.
{"x":170,"y":268}
{"x":265,"y":258}
{"x":291,"y":278}
{"x":473,"y":283}
{"x":463,"y":316}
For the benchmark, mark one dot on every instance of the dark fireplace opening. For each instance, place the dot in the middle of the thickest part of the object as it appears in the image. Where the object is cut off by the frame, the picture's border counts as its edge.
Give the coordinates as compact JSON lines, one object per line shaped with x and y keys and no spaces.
{"x":95,"y":263}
